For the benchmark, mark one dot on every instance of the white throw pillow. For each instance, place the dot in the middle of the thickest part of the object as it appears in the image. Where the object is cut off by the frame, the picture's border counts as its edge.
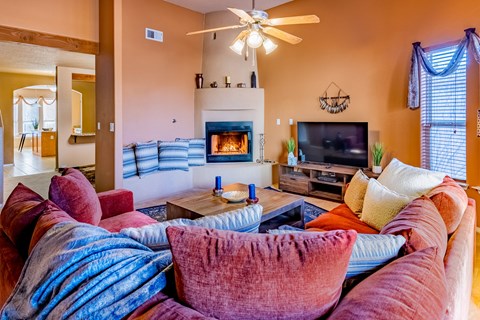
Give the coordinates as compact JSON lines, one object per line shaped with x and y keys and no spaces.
{"x":154,"y":236}
{"x":381,"y":205}
{"x":408,"y":180}
{"x":356,"y":192}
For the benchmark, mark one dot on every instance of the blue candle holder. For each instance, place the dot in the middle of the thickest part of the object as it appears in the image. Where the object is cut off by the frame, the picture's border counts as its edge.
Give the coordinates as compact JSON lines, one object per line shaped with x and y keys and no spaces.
{"x":218,"y":182}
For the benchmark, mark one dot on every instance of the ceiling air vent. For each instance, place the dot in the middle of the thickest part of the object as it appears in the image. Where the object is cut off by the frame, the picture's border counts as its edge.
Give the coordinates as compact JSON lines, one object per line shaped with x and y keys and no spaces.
{"x":154,"y":35}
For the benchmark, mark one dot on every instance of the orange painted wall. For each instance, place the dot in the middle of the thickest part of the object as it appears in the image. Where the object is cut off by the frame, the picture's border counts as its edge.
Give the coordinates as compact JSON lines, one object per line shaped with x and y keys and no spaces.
{"x":364,"y":47}
{"x":158,"y":78}
{"x":72,"y":18}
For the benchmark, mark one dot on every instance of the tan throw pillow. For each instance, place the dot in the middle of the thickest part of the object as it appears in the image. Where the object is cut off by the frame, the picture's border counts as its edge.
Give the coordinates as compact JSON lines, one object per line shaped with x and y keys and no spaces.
{"x":356,"y":192}
{"x":381,"y":205}
{"x":408,"y":180}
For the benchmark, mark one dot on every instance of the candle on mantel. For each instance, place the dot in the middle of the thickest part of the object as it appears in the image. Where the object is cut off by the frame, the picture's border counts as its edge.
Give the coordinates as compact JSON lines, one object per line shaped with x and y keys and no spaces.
{"x":251,"y":191}
{"x":218,"y":182}
{"x":227,"y":79}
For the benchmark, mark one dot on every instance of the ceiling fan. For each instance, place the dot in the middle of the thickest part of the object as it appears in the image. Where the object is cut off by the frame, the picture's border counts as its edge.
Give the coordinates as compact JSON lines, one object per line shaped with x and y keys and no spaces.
{"x":258,"y":24}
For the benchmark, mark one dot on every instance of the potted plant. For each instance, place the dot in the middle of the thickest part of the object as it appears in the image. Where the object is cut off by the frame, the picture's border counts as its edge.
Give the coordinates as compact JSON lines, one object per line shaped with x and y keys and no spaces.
{"x":292,"y":160}
{"x":377,"y":154}
{"x":35,"y":124}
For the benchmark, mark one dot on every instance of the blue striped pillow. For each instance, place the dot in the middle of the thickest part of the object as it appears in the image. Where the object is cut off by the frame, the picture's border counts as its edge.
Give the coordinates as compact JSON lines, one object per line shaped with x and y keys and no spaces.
{"x":370,"y":252}
{"x":173,"y":155}
{"x":196,"y":151}
{"x":129,"y":164}
{"x":146,"y":154}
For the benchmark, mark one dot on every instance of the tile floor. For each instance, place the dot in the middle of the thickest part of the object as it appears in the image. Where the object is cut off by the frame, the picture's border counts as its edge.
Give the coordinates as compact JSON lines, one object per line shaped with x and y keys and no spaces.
{"x":27,"y":163}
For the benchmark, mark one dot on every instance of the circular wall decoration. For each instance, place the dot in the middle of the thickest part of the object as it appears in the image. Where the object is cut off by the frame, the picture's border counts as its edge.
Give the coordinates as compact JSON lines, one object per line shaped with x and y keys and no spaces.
{"x":334,"y":104}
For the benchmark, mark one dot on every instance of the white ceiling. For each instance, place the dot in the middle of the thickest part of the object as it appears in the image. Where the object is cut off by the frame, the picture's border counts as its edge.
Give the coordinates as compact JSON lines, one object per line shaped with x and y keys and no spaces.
{"x":31,"y":59}
{"x":206,"y":6}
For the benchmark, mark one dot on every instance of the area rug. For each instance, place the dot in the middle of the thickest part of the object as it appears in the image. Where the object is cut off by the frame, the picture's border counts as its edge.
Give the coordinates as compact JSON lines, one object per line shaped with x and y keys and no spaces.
{"x":311,"y":211}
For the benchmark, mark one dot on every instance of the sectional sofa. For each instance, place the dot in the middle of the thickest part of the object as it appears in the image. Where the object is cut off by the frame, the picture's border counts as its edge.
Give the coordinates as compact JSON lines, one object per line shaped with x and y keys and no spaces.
{"x":290,"y":276}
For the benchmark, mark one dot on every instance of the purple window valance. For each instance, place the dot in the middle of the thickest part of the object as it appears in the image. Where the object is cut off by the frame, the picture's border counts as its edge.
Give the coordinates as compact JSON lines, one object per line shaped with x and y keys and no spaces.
{"x":419,"y":58}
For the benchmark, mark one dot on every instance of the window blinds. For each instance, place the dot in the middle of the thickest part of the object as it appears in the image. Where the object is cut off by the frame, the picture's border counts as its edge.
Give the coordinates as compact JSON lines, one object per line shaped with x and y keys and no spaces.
{"x":443,"y":116}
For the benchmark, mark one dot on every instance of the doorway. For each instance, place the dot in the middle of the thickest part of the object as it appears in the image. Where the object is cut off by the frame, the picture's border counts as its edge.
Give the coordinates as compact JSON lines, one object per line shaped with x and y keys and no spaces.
{"x":34,"y":131}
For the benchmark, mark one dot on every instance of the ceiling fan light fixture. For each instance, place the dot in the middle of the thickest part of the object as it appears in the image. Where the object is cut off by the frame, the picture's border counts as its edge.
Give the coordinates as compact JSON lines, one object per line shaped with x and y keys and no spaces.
{"x":254,"y":39}
{"x":269,"y":46}
{"x":237,"y":46}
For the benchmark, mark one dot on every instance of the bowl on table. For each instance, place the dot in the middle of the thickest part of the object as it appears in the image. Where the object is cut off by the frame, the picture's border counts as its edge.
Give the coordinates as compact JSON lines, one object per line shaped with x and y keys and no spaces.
{"x":235,"y":196}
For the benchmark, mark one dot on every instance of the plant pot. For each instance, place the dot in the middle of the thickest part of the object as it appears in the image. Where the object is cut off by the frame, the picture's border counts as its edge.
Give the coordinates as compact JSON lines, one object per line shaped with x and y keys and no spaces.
{"x":377,"y":169}
{"x":292,"y":160}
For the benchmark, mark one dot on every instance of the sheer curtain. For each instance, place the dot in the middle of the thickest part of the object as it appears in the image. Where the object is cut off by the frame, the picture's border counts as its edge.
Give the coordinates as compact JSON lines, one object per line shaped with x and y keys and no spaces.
{"x":419,"y":58}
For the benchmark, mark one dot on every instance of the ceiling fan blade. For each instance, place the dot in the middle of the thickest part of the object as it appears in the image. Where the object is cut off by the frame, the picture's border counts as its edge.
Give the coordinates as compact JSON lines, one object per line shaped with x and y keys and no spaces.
{"x":293,"y":20}
{"x":216,"y":29}
{"x":241,"y":35}
{"x":282,"y":35}
{"x":242,"y":14}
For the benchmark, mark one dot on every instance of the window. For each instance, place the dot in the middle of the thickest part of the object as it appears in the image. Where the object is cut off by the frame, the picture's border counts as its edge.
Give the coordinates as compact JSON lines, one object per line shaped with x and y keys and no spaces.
{"x":443,"y":116}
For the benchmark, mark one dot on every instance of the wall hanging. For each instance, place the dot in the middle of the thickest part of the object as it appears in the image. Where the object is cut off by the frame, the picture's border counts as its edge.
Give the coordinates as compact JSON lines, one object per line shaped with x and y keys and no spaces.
{"x":334,"y":104}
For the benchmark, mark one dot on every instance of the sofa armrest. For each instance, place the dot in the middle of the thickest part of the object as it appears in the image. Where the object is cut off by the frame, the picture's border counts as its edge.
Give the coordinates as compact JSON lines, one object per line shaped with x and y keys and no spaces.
{"x":458,"y":262}
{"x":11,"y":264}
{"x":115,"y":202}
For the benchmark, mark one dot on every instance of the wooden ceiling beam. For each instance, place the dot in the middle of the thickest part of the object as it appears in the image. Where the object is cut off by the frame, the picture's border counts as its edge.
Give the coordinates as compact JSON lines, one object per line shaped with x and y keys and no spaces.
{"x":48,"y":40}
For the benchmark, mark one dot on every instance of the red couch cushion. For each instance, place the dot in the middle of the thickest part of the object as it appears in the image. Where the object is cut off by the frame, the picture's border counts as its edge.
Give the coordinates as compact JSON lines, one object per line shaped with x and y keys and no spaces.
{"x":341,"y":217}
{"x":50,"y":217}
{"x":451,"y":201}
{"x":421,"y":224}
{"x":132,"y":219}
{"x":232,"y":275}
{"x":164,"y":307}
{"x":19,"y":215}
{"x":11,"y":264}
{"x":74,"y":194}
{"x":412,"y":287}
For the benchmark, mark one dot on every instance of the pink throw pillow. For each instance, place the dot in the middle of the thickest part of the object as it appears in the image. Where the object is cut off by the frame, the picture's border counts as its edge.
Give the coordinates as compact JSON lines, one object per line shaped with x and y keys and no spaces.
{"x":232,"y":275}
{"x":412,"y":287}
{"x":421,"y":224}
{"x":451,"y":201}
{"x":74,"y":194}
{"x":19,"y":215}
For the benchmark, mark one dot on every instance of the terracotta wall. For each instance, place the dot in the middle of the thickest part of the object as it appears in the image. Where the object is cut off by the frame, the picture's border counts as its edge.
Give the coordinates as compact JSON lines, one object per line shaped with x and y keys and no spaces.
{"x":158,"y":78}
{"x":73,"y":18}
{"x":8,"y":83}
{"x":365,"y":48}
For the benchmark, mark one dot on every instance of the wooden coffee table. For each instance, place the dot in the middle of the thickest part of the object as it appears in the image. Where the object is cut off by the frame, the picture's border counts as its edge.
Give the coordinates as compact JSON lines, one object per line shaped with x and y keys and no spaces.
{"x":197,"y":204}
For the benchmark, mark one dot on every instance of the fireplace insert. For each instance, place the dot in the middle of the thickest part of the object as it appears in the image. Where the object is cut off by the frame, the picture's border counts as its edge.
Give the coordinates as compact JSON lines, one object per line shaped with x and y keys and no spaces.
{"x":229,"y":141}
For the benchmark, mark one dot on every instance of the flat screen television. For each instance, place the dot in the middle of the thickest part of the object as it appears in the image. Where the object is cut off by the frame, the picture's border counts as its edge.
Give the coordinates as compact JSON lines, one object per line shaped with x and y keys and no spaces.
{"x":341,"y":143}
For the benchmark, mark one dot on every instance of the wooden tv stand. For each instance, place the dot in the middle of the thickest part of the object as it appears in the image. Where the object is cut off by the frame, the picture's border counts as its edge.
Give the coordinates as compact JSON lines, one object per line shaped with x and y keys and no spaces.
{"x":313,"y":179}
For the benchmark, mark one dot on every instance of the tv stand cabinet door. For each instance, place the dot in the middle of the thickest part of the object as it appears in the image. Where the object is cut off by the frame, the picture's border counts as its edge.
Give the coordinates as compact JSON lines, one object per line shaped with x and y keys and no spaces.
{"x":294,"y":184}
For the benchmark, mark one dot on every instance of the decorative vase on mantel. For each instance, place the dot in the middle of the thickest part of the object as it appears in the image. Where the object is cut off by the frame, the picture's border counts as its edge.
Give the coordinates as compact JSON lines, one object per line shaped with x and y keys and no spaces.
{"x":292,"y":160}
{"x":199,"y":80}
{"x":377,"y":169}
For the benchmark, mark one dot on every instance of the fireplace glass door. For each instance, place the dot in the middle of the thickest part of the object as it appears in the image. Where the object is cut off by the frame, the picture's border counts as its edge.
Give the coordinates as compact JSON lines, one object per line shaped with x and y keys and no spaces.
{"x":229,"y":141}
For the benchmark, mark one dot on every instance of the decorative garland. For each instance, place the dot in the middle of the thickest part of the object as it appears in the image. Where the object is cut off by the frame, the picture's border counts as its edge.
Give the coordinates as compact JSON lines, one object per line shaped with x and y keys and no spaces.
{"x":41,"y":98}
{"x":334,"y":106}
